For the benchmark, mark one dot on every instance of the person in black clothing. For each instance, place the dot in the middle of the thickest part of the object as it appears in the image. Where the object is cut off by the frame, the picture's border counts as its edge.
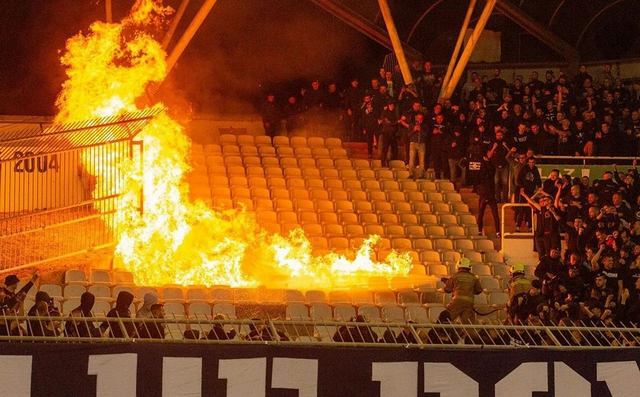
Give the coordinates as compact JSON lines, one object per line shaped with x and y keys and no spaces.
{"x":369,"y":126}
{"x":43,"y":306}
{"x":628,"y":310}
{"x":358,"y":333}
{"x":486,"y":192}
{"x":83,"y":327}
{"x":270,"y":116}
{"x":388,"y":133}
{"x":352,"y":100}
{"x":11,"y":302}
{"x":529,"y":181}
{"x":499,"y":151}
{"x":455,"y":153}
{"x":218,"y":332}
{"x":292,"y":115}
{"x":438,"y":145}
{"x":153,"y":329}
{"x":259,"y":331}
{"x":123,"y":302}
{"x":547,"y":233}
{"x":550,"y":270}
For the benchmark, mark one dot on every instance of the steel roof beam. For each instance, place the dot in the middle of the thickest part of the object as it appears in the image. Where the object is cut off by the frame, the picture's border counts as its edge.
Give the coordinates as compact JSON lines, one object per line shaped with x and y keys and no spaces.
{"x":363,"y":25}
{"x":539,"y":31}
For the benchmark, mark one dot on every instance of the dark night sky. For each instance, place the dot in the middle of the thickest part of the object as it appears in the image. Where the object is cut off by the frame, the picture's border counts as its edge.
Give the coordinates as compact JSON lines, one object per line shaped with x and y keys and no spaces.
{"x":242,"y":44}
{"x":247,"y":43}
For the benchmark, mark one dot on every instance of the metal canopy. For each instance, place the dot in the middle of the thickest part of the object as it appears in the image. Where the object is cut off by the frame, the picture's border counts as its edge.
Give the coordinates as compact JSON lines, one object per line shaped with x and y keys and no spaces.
{"x":67,"y":136}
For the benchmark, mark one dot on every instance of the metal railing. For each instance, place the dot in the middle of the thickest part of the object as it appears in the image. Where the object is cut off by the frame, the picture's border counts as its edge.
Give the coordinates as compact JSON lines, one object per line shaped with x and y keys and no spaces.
{"x":503,"y":232}
{"x":204,"y":329}
{"x":585,"y":159}
{"x":60,"y":188}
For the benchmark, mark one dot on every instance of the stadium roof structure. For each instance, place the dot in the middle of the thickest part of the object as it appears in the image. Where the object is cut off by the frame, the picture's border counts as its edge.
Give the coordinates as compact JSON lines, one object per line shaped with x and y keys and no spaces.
{"x":573,"y":29}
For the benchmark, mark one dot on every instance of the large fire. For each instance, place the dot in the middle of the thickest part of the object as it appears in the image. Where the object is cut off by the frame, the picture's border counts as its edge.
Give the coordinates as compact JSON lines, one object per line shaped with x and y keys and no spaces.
{"x":176,"y":241}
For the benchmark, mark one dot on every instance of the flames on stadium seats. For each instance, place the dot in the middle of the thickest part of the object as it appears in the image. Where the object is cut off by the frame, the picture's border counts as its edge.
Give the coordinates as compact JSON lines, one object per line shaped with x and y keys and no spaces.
{"x":176,"y":241}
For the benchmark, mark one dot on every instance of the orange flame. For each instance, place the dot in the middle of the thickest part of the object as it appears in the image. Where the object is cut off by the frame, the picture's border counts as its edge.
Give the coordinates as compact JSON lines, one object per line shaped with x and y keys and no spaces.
{"x":175,"y":241}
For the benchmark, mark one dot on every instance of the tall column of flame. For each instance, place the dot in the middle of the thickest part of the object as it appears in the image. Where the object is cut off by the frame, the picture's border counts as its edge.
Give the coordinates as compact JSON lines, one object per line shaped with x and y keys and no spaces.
{"x":175,"y":240}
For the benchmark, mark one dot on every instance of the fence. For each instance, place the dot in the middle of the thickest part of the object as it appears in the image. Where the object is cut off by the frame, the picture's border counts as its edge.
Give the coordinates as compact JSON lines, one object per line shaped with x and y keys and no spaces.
{"x":51,"y":204}
{"x":204,"y":329}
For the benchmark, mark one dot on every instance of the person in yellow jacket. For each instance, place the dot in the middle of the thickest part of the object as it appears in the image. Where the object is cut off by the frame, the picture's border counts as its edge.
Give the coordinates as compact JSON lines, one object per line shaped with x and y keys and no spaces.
{"x":463,"y":285}
{"x":519,"y":287}
{"x":518,"y":284}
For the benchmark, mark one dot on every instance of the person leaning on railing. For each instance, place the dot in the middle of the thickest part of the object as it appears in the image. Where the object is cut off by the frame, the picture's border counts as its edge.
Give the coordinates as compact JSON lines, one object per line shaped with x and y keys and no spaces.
{"x":43,"y":307}
{"x":120,"y":329}
{"x":80,"y":322}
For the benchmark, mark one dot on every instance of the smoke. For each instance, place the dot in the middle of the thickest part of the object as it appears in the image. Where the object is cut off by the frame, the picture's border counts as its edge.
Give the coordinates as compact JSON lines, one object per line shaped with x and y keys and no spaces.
{"x":245,"y":46}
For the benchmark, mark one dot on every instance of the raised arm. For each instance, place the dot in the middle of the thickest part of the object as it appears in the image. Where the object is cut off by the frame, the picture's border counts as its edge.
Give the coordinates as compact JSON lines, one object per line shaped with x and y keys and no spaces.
{"x":529,"y":201}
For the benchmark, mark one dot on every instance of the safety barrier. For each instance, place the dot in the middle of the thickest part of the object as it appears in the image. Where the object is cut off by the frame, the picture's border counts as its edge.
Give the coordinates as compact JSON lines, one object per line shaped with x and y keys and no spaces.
{"x":204,"y":329}
{"x":51,"y":205}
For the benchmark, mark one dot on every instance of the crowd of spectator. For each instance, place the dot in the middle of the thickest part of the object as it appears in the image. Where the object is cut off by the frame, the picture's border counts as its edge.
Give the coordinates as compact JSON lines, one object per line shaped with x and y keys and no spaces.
{"x":597,"y":279}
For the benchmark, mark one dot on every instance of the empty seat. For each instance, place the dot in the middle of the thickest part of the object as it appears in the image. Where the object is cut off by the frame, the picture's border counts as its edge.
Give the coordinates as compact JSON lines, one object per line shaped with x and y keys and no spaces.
{"x":417,"y":314}
{"x":384,"y":297}
{"x":172,"y":294}
{"x":75,"y":276}
{"x":333,"y":142}
{"x":280,"y":140}
{"x":101,"y":291}
{"x":296,"y":311}
{"x":370,"y":312}
{"x":484,"y":245}
{"x":498,"y":298}
{"x":70,"y":291}
{"x":489,"y":283}
{"x":199,"y":310}
{"x":100,"y":308}
{"x":122,"y":277}
{"x":197,"y":294}
{"x":343,"y":312}
{"x":392,"y":313}
{"x":408,"y":297}
{"x":321,"y":311}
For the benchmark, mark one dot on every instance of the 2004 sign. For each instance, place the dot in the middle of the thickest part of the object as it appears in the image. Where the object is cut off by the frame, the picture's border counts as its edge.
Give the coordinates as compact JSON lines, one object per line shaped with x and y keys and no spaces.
{"x":31,"y":162}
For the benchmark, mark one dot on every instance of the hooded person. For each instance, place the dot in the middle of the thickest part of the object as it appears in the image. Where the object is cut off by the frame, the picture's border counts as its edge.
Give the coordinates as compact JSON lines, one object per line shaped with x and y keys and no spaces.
{"x":82,"y":328}
{"x":148,"y":300}
{"x":121,"y":329}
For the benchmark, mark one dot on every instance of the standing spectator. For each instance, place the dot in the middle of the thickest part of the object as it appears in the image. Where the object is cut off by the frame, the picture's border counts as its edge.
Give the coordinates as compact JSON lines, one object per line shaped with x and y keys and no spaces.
{"x":499,"y":151}
{"x":521,"y":140}
{"x":292,"y":115}
{"x":528,"y":181}
{"x":369,"y":126}
{"x":406,"y":121}
{"x":388,"y":133}
{"x":438,"y":145}
{"x":352,"y":100}
{"x":417,"y":145}
{"x":455,"y":154}
{"x":270,"y":116}
{"x":497,"y":84}
{"x":547,"y":233}
{"x":486,"y":192}
{"x":605,"y":141}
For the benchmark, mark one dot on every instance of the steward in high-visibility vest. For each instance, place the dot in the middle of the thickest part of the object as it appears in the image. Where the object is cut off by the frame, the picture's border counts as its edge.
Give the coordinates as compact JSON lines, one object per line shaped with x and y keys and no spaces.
{"x":463,"y":285}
